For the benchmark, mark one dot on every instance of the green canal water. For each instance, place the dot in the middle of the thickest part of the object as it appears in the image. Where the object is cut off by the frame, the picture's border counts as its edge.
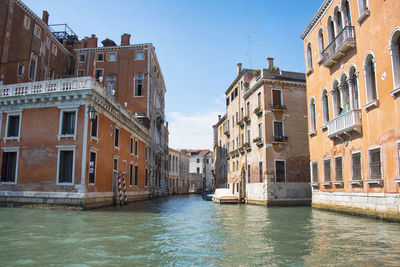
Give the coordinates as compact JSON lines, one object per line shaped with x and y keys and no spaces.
{"x":186,"y":231}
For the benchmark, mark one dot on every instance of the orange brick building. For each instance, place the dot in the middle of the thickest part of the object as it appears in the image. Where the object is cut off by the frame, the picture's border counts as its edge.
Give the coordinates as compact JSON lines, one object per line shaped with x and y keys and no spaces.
{"x":352,"y":50}
{"x":66,"y":141}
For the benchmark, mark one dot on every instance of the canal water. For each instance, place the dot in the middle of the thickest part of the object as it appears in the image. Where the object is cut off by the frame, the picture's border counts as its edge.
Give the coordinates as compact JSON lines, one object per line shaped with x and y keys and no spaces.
{"x":186,"y":231}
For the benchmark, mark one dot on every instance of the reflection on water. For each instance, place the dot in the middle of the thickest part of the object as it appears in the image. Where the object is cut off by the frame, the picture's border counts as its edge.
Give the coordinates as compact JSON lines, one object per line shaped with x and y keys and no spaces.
{"x":184,"y":231}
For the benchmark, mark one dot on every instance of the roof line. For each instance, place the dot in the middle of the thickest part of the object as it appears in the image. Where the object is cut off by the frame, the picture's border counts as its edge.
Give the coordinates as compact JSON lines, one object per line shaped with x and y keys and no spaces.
{"x":317,"y":16}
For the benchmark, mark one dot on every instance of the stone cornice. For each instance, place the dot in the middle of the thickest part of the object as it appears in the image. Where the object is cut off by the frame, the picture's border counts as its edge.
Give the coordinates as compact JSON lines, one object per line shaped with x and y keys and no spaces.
{"x":320,"y":12}
{"x":272,"y":81}
{"x":113,"y":48}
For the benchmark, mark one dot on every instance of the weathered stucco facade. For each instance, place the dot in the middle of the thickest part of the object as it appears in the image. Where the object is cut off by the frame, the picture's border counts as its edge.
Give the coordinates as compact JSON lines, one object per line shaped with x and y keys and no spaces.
{"x":267,"y":148}
{"x":353,"y":80}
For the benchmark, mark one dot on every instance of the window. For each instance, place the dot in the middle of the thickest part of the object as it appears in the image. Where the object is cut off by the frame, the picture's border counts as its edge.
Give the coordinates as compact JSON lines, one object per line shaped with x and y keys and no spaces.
{"x":115,"y":165}
{"x":207,"y":161}
{"x":9,"y":167}
{"x":65,"y":166}
{"x":146,"y":177}
{"x":112,"y":56}
{"x":313,"y":126}
{"x":394,"y":50}
{"x":51,"y":74}
{"x":278,"y":128}
{"x":13,"y":125}
{"x":339,"y":168}
{"x":309,"y":59}
{"x":111,"y":84}
{"x":325,"y":106}
{"x":131,"y":174}
{"x":92,"y":167}
{"x":375,"y":166}
{"x":21,"y":70}
{"x":81,"y":58}
{"x":136,"y":175}
{"x":54,"y":49}
{"x":327,"y":170}
{"x":362,"y":6}
{"x":356,"y":166}
{"x":260,"y":130}
{"x":259,"y":100}
{"x":68,"y":123}
{"x":198,"y":170}
{"x":370,"y":78}
{"x":48,"y":42}
{"x":247,"y":108}
{"x":138,"y":85}
{"x":248,"y":136}
{"x":227,"y":101}
{"x":100,"y":57}
{"x":139,"y":55}
{"x":136,"y":148}
{"x":198,"y":160}
{"x":99,"y":73}
{"x":280,"y":172}
{"x":36,"y":31}
{"x":93,"y":129}
{"x":131,"y":146}
{"x":353,"y":81}
{"x":32,"y":67}
{"x":260,"y":171}
{"x":321,"y":45}
{"x":276,"y":98}
{"x":116,"y":137}
{"x":347,"y":13}
{"x":27,"y":23}
{"x":314,"y":170}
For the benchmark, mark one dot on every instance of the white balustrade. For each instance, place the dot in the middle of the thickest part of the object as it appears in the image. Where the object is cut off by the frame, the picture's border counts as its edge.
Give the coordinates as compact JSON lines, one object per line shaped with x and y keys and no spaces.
{"x":349,"y":121}
{"x":49,"y":86}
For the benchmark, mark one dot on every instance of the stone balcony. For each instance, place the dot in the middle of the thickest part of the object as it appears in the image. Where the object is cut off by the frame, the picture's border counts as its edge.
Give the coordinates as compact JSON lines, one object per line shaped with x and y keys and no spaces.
{"x":345,"y":124}
{"x":338,"y":47}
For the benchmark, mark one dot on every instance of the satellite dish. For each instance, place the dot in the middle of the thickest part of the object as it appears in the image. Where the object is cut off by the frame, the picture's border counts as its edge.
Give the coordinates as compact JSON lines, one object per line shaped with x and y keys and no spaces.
{"x":113,"y":92}
{"x":101,"y":79}
{"x":125,"y":104}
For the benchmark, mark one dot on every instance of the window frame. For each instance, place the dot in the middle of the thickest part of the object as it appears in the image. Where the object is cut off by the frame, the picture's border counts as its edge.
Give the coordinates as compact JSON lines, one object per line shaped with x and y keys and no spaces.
{"x":67,"y":109}
{"x":352,"y":165}
{"x":130,"y":178}
{"x":368,"y":79}
{"x":370,"y":149}
{"x":136,"y":175}
{"x":102,"y":73}
{"x":35,"y":58}
{"x":139,"y":52}
{"x":27,"y":22}
{"x":95,"y":137}
{"x":283,"y":127}
{"x":111,"y":78}
{"x":13,"y":113}
{"x":66,"y":148}
{"x":342,"y":168}
{"x":95,"y":167}
{"x":23,"y":70}
{"x":275,"y":169}
{"x":11,"y":149}
{"x":111,"y":53}
{"x":116,"y":137}
{"x":97,"y":56}
{"x":313,"y":173}
{"x":272,"y":96}
{"x":136,"y":148}
{"x":330,"y":169}
{"x":134,"y":85}
{"x":79,"y":57}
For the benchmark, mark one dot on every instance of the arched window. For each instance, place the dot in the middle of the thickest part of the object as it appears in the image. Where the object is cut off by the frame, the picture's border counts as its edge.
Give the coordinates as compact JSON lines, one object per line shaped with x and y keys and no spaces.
{"x":370,"y":78}
{"x":394,"y":50}
{"x":337,"y":103}
{"x":309,"y":58}
{"x":353,"y":80}
{"x":344,"y":86}
{"x":338,"y":20}
{"x":138,"y":85}
{"x":347,"y":13}
{"x":362,"y":6}
{"x":321,"y":45}
{"x":325,"y":106}
{"x":313,"y":125}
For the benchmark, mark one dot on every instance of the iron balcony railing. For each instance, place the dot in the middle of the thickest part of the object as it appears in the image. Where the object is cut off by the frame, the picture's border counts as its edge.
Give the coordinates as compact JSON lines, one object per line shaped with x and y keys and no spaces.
{"x":344,"y":41}
{"x":349,"y":121}
{"x":279,"y":139}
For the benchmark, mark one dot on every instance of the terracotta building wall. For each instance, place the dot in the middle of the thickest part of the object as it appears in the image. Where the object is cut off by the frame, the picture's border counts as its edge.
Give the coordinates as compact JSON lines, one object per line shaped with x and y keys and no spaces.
{"x":38,"y":152}
{"x":380,"y":125}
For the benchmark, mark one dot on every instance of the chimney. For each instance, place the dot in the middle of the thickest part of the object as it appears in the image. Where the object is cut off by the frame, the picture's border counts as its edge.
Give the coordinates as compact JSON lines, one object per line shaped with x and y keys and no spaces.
{"x":45,"y":17}
{"x":219,"y":117}
{"x":270,"y":63}
{"x":125,"y":39}
{"x":92,"y":41}
{"x":239,"y":68}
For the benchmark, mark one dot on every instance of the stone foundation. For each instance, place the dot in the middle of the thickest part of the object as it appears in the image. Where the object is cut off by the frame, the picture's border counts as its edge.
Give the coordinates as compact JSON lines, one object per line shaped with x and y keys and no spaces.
{"x":384,"y":206}
{"x":278,"y":194}
{"x":64,"y":200}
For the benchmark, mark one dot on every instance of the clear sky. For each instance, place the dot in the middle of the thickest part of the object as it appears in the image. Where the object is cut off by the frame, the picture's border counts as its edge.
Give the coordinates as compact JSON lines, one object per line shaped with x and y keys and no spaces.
{"x":198,"y":44}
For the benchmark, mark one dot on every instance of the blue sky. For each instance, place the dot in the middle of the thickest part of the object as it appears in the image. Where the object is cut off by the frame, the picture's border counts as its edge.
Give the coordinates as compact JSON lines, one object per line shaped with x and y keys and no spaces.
{"x":198,"y":44}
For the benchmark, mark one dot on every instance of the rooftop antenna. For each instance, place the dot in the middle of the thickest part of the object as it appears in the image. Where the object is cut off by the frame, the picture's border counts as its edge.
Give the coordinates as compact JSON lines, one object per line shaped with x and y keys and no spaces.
{"x":249,"y":50}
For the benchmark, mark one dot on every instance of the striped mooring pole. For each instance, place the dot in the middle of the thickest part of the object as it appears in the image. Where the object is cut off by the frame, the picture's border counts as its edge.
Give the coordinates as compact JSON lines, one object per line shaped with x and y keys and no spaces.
{"x":125,"y":196}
